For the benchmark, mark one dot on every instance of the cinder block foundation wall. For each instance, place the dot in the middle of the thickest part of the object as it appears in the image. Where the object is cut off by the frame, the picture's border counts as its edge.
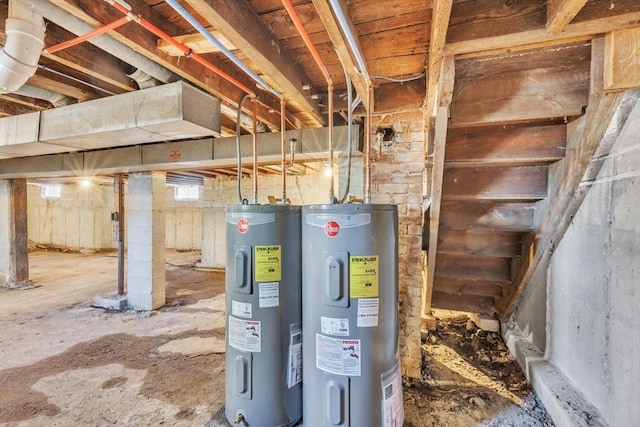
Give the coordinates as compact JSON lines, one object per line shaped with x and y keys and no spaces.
{"x":589,"y":294}
{"x":398,"y":179}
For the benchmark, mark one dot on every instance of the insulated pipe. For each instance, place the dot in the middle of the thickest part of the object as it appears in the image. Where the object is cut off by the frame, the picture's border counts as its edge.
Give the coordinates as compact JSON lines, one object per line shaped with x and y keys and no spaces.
{"x":244,"y":118}
{"x":143,"y":79}
{"x":367,"y":147}
{"x":282,"y":145}
{"x":254,"y":138}
{"x":55,"y":98}
{"x":316,"y":56}
{"x":202,"y":30}
{"x":25,"y":37}
{"x":104,"y":42}
{"x":342,"y":20}
{"x":77,"y":40}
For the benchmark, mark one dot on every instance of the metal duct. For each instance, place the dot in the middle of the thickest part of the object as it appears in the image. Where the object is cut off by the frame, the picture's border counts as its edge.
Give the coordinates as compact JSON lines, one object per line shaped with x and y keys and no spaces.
{"x":168,"y":112}
{"x":55,"y":98}
{"x":143,"y":79}
{"x":245,"y":119}
{"x":21,"y":52}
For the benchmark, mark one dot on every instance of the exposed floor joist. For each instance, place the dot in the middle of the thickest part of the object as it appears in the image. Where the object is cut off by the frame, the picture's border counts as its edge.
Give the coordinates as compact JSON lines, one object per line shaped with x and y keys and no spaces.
{"x":561,"y":12}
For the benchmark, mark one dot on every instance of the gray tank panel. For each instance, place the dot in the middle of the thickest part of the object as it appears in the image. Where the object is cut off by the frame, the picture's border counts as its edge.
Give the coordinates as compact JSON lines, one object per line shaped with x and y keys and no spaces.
{"x":263,"y":303}
{"x":350,"y":315}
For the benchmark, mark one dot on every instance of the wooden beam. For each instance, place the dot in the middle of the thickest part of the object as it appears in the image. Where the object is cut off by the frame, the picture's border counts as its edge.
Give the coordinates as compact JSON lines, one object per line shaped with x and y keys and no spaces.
{"x":622,"y":59}
{"x":486,"y":215}
{"x":439,"y":24}
{"x":568,"y":196}
{"x":10,"y":108}
{"x":341,"y":47}
{"x":539,"y":35}
{"x":506,"y":144}
{"x":561,"y":12}
{"x":237,"y":21}
{"x":197,"y":43}
{"x":395,"y":97}
{"x":437,"y":171}
{"x":496,"y":182}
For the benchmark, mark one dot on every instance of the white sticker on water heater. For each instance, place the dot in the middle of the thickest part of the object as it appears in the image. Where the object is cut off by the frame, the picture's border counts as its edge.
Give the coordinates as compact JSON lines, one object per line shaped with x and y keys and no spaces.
{"x":334,"y":326}
{"x":269,"y":294}
{"x":245,"y":334}
{"x":338,"y":356}
{"x":294,"y":375}
{"x":368,"y":312}
{"x":241,"y":309}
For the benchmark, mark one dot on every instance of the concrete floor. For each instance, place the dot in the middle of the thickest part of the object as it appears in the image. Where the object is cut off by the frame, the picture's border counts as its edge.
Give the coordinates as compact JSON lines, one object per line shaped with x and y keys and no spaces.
{"x":65,"y":363}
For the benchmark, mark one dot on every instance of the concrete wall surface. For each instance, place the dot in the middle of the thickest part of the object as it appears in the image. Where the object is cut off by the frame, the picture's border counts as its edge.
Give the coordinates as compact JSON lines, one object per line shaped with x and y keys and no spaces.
{"x":594,"y":287}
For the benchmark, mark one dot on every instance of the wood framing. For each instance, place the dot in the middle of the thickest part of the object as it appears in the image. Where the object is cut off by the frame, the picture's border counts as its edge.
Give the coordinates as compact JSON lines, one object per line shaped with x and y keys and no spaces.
{"x":621,"y":69}
{"x":439,"y":25}
{"x":561,"y":12}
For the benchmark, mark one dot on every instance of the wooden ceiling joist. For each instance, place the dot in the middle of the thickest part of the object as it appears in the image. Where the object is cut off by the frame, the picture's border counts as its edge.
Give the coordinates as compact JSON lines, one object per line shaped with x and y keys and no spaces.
{"x":439,"y":26}
{"x":561,"y":12}
{"x":232,"y":19}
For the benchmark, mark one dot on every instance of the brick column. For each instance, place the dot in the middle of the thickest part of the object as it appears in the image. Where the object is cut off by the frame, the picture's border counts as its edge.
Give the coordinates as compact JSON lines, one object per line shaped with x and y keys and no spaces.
{"x":146,"y":231}
{"x":397,"y":179}
{"x":14,"y":250}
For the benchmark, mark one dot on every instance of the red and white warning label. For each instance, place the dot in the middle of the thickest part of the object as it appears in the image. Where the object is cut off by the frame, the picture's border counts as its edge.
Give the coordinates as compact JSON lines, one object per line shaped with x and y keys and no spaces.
{"x":338,"y":356}
{"x":244,"y":334}
{"x":243,"y":225}
{"x":331,"y":228}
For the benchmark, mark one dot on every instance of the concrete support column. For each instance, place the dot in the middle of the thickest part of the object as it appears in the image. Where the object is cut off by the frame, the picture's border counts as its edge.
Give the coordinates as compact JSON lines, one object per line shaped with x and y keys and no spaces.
{"x":145,"y":211}
{"x":14,"y":250}
{"x":213,"y":227}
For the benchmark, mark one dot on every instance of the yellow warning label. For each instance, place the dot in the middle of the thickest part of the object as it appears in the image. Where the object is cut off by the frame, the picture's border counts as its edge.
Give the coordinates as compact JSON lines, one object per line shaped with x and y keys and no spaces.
{"x":363,"y":276}
{"x":268,"y":263}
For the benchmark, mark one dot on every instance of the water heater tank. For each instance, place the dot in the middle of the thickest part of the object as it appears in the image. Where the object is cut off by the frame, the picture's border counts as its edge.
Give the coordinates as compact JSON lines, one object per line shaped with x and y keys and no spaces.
{"x":350,"y":316}
{"x":263,"y":302}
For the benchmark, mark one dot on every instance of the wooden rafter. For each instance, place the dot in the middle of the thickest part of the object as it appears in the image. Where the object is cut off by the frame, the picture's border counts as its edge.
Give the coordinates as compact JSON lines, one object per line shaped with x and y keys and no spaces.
{"x":540,"y":37}
{"x":233,"y":19}
{"x":567,"y":197}
{"x":561,"y":12}
{"x":439,"y":24}
{"x":144,"y":42}
{"x":341,"y":46}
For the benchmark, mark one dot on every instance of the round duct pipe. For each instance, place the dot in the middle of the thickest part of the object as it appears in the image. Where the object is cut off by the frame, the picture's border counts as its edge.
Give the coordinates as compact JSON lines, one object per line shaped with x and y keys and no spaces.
{"x":55,"y":98}
{"x":25,"y":38}
{"x":144,"y":80}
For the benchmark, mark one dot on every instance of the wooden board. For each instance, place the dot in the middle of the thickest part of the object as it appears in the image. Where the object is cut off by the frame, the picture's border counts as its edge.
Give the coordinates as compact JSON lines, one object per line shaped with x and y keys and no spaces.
{"x":486,"y":215}
{"x":622,"y":60}
{"x":480,"y":243}
{"x":473,"y":267}
{"x":469,"y":303}
{"x":465,"y":286}
{"x":495,"y":182}
{"x":503,"y":144}
{"x":521,"y":95}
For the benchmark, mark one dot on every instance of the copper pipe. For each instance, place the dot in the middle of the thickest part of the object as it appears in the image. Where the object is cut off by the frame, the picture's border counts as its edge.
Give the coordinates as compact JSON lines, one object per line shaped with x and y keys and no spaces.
{"x":180,"y":46}
{"x":332,"y":195}
{"x":254,"y":134}
{"x":295,"y":18}
{"x":98,"y":31}
{"x":367,"y":147}
{"x":282,"y":147}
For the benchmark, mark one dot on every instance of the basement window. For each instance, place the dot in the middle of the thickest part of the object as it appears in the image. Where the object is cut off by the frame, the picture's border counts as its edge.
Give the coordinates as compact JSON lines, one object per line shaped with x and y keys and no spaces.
{"x":187,"y":192}
{"x":51,"y":191}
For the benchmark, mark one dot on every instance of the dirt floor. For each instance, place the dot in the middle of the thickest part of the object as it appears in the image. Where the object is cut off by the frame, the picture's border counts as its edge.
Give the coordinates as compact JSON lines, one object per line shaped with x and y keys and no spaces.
{"x":65,"y":363}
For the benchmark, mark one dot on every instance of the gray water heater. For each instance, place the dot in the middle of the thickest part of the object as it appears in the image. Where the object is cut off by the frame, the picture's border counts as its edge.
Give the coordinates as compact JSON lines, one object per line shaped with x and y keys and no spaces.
{"x":350,"y":316}
{"x":263,"y":302}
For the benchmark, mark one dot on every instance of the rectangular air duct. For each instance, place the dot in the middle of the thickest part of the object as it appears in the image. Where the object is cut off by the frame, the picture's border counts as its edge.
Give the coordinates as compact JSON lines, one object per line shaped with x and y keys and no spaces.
{"x":161,"y":113}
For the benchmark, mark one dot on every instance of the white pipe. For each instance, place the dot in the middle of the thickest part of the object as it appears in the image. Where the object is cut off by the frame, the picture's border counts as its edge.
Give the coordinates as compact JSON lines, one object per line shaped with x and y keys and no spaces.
{"x":104,"y":42}
{"x":21,"y":52}
{"x":344,"y":25}
{"x":55,"y":98}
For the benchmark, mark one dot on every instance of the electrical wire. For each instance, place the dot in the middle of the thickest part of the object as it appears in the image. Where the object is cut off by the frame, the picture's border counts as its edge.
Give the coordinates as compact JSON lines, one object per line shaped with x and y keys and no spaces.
{"x":395,"y":80}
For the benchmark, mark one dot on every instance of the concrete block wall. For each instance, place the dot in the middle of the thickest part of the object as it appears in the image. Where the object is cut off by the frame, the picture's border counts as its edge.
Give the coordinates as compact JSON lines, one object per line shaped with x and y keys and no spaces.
{"x":184,"y":222}
{"x":398,"y":179}
{"x":80,"y":218}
